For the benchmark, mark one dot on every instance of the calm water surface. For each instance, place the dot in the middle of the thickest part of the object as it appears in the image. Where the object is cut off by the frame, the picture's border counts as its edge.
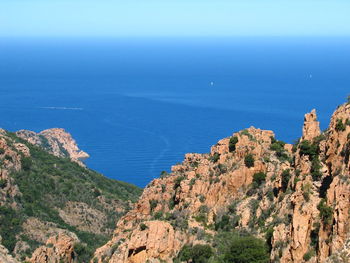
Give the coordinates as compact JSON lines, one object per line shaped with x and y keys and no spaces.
{"x":138,"y":105}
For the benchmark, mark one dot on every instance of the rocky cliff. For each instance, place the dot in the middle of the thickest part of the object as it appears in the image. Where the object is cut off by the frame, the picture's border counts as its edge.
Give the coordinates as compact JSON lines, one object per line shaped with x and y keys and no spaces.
{"x":55,"y":141}
{"x":293,"y":197}
{"x":52,"y":205}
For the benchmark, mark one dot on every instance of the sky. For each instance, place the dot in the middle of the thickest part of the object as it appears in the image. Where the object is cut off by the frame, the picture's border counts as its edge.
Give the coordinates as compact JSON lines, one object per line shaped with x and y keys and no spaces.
{"x":168,"y":18}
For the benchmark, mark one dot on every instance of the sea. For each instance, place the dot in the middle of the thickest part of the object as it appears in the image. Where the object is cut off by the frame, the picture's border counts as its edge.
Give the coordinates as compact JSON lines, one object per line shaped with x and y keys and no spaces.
{"x":137,"y":105}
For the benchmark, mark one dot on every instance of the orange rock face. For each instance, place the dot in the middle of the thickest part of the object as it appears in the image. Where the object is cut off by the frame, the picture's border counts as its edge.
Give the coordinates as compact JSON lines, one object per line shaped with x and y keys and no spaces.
{"x":311,"y":128}
{"x":56,"y":141}
{"x":303,"y":200}
{"x":58,"y":249}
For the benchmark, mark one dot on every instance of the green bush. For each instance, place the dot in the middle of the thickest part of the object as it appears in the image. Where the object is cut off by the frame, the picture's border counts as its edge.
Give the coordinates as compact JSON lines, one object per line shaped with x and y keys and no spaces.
{"x":158,"y":215}
{"x":163,"y":174}
{"x":249,"y":160}
{"x":84,"y":253}
{"x":8,"y":158}
{"x":26,"y":163}
{"x":163,"y":188}
{"x":178,"y":181}
{"x":268,"y":237}
{"x":143,"y":227}
{"x":185,"y":253}
{"x":232,"y":247}
{"x":152,"y":204}
{"x":309,"y":149}
{"x":246,"y":133}
{"x":10,"y":226}
{"x":308,"y":255}
{"x":285,"y":179}
{"x":326,"y":212}
{"x":3,"y":183}
{"x":278,"y":148}
{"x":232,"y":143}
{"x":196,"y":254}
{"x":259,"y":178}
{"x":215,"y":157}
{"x":2,"y":151}
{"x":339,"y":126}
{"x":226,"y":223}
{"x":315,"y":169}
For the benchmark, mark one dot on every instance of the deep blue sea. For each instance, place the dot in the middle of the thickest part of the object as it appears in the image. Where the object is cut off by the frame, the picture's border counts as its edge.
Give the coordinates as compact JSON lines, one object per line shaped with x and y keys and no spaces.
{"x":138,"y":105}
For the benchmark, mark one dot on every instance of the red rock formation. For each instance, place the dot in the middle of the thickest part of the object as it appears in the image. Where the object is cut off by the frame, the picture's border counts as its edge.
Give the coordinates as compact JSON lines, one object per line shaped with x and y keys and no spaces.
{"x":205,"y":185}
{"x":58,"y":249}
{"x":56,"y":141}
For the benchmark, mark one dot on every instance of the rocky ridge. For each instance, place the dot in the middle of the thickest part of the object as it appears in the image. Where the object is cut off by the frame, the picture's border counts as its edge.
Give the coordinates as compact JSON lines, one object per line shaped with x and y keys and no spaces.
{"x":57,"y":142}
{"x":296,"y":197}
{"x":51,"y":204}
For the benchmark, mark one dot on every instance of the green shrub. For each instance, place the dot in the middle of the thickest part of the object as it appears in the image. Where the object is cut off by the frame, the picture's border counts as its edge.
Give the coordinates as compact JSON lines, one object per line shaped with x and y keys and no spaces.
{"x":306,"y":188}
{"x":171,"y":203}
{"x":8,"y":158}
{"x":196,"y":254}
{"x":143,"y":227}
{"x":270,"y":195}
{"x":314,"y":235}
{"x":10,"y":226}
{"x":278,"y":148}
{"x":222,"y":168}
{"x":309,"y":149}
{"x":215,"y":157}
{"x":340,"y":125}
{"x":192,"y":182}
{"x":268,"y":237}
{"x":246,"y":133}
{"x":315,"y":169}
{"x":232,"y":247}
{"x":232,"y":143}
{"x":178,"y":181}
{"x":163,"y":188}
{"x":201,"y":218}
{"x":2,"y":151}
{"x":185,"y":253}
{"x":83,"y":252}
{"x":326,"y":212}
{"x":249,"y":160}
{"x":226,"y":223}
{"x":308,"y":255}
{"x":26,"y":163}
{"x":3,"y":183}
{"x":158,"y":215}
{"x":201,"y":253}
{"x":152,"y":204}
{"x":285,"y":179}
{"x":259,"y":178}
{"x":163,"y":174}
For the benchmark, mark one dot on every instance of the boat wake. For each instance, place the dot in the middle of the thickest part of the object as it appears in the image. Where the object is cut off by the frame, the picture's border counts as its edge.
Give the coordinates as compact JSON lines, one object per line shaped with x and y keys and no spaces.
{"x":60,"y":108}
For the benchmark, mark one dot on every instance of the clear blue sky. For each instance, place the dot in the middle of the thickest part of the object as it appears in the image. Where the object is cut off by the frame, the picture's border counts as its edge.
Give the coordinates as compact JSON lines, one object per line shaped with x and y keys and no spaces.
{"x":174,"y":17}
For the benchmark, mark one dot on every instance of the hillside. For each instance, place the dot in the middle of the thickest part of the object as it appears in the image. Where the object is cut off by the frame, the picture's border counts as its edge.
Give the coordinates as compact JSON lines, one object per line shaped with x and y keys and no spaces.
{"x":253,"y":198}
{"x":43,"y":195}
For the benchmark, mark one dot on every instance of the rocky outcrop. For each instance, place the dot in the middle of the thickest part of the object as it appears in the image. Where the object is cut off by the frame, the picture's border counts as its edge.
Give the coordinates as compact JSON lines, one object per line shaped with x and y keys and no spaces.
{"x":56,"y":141}
{"x":58,"y":248}
{"x":84,"y":218}
{"x":311,"y":128}
{"x":302,"y":198}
